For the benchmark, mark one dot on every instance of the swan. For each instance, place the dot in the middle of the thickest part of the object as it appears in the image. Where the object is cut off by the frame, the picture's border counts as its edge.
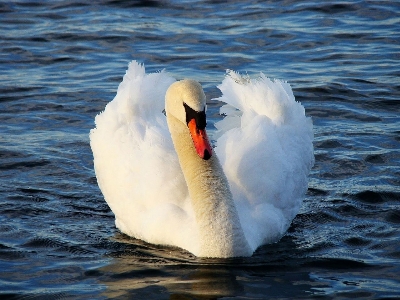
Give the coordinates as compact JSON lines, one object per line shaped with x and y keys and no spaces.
{"x":166,"y":183}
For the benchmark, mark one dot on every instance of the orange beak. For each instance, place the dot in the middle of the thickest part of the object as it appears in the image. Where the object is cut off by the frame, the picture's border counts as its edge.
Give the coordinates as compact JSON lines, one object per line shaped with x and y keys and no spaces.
{"x":200,"y":140}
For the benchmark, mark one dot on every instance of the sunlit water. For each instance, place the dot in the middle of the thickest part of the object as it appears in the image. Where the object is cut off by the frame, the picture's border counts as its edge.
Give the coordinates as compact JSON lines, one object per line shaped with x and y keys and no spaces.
{"x":62,"y":61}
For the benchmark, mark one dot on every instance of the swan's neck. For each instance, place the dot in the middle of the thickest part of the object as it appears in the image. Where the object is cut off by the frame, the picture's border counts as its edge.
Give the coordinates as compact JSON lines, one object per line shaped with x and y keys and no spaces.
{"x":220,"y":231}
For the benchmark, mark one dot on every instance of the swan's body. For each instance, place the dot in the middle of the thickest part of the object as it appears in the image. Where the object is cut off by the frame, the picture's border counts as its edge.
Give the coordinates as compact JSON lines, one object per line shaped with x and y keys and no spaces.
{"x":162,"y":189}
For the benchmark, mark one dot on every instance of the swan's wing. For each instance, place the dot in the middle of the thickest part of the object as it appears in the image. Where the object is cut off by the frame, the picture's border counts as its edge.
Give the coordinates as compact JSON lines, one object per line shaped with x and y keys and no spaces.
{"x":265,"y":147}
{"x":136,"y":166}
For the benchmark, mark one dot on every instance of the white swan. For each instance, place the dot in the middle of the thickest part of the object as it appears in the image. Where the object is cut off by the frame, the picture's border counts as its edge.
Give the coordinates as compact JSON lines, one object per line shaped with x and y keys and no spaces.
{"x":175,"y":191}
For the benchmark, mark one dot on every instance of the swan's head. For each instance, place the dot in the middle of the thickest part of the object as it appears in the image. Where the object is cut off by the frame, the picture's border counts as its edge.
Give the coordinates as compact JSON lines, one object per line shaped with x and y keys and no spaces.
{"x":186,"y":101}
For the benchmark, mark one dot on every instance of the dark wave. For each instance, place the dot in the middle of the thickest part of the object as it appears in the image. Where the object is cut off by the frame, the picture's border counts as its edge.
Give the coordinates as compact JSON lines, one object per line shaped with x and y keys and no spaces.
{"x":374,"y":197}
{"x":61,"y":63}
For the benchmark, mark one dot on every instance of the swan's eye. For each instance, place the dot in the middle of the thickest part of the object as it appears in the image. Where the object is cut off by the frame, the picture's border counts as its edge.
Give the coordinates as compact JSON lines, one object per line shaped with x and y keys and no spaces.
{"x":198,"y":116}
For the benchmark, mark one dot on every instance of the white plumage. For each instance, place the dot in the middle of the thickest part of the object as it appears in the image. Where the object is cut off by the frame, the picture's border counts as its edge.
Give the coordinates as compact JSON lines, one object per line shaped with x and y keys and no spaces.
{"x":264,"y":145}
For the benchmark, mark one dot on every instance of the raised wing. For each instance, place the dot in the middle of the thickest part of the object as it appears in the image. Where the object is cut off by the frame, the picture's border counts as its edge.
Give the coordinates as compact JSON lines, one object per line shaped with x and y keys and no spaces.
{"x":135,"y":163}
{"x":265,"y":147}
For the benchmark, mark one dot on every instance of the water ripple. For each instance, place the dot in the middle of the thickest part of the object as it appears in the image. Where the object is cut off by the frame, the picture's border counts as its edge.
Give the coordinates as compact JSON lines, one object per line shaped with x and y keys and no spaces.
{"x":61,"y":63}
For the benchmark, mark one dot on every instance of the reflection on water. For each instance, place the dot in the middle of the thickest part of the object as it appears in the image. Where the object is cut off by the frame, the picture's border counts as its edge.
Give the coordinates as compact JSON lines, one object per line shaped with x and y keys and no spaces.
{"x":150,"y":271}
{"x":142,"y":270}
{"x":174,"y":280}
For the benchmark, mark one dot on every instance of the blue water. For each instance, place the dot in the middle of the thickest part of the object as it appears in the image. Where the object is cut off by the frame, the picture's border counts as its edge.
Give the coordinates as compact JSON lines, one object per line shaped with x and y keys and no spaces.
{"x":61,"y":62}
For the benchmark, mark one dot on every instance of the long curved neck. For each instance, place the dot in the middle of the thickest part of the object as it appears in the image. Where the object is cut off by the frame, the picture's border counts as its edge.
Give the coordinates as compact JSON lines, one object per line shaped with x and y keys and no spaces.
{"x":221,"y":234}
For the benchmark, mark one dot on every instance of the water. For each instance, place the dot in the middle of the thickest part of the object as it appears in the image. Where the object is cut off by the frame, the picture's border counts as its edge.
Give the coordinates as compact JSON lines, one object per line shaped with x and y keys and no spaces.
{"x":61,"y":62}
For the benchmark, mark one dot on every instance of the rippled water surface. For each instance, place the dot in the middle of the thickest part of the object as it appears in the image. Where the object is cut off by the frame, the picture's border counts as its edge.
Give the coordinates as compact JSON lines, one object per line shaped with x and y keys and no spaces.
{"x":62,"y":61}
